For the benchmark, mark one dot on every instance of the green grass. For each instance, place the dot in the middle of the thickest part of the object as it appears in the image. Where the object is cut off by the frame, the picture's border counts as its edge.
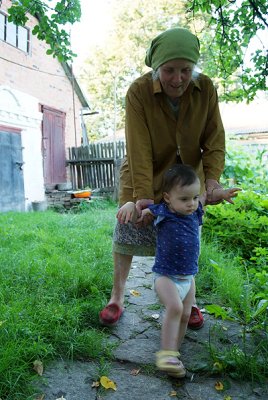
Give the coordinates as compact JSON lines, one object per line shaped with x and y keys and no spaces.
{"x":223,"y":285}
{"x":221,"y":276}
{"x":56,"y":274}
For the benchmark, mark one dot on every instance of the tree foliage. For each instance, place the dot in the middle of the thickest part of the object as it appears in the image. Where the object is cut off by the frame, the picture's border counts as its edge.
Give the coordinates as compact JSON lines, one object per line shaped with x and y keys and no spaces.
{"x":226,"y":30}
{"x":236,"y":51}
{"x":110,"y":69}
{"x":50,"y":22}
{"x":233,"y":36}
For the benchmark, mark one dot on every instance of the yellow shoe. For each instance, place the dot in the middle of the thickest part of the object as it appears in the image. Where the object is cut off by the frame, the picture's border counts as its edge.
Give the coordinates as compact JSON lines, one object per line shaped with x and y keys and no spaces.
{"x":168,"y":361}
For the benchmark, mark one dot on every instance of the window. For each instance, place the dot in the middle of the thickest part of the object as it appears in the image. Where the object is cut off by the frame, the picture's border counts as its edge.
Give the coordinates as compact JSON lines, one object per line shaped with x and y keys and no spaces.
{"x":2,"y":26}
{"x":17,"y":36}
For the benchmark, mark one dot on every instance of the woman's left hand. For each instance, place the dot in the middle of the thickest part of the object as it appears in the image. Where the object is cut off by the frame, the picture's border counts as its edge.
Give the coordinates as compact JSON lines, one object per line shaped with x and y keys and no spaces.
{"x":212,"y":184}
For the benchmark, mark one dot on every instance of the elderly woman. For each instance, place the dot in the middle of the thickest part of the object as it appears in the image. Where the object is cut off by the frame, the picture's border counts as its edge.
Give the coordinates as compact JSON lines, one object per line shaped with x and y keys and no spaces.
{"x":172,"y":116}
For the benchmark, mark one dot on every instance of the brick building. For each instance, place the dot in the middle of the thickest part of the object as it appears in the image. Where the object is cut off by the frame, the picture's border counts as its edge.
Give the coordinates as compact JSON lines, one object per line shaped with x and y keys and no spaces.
{"x":40,"y":107}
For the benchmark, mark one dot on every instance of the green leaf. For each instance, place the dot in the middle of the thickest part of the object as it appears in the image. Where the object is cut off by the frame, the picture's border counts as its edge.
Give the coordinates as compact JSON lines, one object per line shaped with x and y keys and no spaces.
{"x":218,"y":311}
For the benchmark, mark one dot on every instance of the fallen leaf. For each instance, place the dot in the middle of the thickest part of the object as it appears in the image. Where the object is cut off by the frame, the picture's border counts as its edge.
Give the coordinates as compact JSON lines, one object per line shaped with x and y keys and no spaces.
{"x":173,"y":393}
{"x":41,"y":397}
{"x":135,"y":293}
{"x":155,"y":316}
{"x":227,"y":398}
{"x":135,"y":372}
{"x":217,"y":366}
{"x":107,"y":383}
{"x":218,"y":386}
{"x":38,"y":367}
{"x":95,"y":384}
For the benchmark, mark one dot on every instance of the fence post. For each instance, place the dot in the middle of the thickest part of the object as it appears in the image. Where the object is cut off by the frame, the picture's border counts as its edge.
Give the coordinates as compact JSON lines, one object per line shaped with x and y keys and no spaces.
{"x":117,"y":166}
{"x":97,"y":166}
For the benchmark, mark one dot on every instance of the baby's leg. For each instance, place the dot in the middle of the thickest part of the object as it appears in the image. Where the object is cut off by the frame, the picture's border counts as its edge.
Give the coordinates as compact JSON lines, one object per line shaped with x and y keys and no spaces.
{"x":187,"y":307}
{"x":169,"y":297}
{"x":167,"y":358}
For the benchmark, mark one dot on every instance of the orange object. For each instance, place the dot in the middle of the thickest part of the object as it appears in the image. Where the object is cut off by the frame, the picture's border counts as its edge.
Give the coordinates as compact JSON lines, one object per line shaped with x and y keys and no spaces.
{"x":82,"y":194}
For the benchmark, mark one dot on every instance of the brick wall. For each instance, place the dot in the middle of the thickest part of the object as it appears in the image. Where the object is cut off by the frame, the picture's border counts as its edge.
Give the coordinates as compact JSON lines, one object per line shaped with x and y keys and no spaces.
{"x":41,"y":76}
{"x":59,"y":199}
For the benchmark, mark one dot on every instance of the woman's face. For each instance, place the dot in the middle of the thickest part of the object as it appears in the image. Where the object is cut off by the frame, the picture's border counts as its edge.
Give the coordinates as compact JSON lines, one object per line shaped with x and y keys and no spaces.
{"x":175,"y":77}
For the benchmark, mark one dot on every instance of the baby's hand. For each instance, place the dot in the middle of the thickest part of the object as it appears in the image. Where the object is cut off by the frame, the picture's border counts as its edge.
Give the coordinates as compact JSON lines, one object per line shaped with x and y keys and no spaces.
{"x":127,"y":213}
{"x":145,"y":219}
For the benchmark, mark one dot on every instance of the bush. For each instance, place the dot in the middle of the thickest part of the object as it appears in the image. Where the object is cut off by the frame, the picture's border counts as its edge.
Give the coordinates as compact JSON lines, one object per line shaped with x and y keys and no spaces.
{"x":242,"y":230}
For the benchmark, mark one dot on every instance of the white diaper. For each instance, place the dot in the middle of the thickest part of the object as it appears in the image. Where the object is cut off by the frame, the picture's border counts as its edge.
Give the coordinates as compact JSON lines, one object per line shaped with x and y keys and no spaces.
{"x":182,"y":282}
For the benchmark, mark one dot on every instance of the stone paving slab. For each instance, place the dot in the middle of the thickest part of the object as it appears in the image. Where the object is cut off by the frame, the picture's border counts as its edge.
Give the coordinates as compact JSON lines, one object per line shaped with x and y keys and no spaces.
{"x":73,"y":381}
{"x":137,"y":338}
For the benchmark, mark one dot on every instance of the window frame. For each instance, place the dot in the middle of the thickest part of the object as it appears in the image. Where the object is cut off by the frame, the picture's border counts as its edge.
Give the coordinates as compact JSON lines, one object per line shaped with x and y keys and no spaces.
{"x":26,"y":43}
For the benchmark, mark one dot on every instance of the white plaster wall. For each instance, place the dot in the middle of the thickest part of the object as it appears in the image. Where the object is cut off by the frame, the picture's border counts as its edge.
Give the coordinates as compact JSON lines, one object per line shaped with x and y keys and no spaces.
{"x":19,"y":110}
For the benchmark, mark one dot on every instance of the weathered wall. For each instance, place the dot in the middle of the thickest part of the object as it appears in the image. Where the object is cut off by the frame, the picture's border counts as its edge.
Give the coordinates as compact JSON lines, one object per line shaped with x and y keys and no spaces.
{"x":42,"y":76}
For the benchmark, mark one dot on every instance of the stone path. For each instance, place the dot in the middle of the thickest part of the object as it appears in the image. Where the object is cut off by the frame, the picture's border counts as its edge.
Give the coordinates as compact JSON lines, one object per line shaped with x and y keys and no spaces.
{"x":137,"y":338}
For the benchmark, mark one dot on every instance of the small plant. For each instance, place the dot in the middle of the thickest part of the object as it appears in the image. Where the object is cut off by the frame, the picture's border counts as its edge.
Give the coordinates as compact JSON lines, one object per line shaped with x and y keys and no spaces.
{"x":154,"y":307}
{"x":230,"y":359}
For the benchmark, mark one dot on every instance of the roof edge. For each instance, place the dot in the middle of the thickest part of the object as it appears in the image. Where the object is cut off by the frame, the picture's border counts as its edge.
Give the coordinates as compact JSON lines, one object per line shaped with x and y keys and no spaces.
{"x":70,"y":75}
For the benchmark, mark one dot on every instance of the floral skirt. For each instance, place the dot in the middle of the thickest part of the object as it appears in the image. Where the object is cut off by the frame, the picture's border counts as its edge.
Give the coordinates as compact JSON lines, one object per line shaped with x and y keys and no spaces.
{"x":128,"y":239}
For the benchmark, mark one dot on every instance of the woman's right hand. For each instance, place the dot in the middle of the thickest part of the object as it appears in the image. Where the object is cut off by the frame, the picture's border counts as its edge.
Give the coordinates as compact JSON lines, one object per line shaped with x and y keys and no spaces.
{"x":142,"y":204}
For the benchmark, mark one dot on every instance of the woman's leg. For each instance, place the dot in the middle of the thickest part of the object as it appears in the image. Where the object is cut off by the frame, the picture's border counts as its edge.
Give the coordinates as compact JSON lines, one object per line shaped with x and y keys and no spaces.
{"x":122,"y":264}
{"x":126,"y":239}
{"x":111,"y":313}
{"x":196,"y":320}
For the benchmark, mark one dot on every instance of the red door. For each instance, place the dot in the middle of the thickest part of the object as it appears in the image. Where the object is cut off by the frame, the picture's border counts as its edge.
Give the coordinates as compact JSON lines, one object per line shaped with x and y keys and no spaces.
{"x":54,"y":146}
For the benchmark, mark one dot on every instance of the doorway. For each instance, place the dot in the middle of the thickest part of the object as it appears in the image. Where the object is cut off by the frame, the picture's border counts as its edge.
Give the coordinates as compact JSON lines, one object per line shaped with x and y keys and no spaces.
{"x":53,"y":139}
{"x":12,"y":196}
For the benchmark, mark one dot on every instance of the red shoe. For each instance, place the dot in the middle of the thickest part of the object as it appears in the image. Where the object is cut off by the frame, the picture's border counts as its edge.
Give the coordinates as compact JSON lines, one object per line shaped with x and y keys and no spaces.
{"x":196,"y":320}
{"x":110,"y":315}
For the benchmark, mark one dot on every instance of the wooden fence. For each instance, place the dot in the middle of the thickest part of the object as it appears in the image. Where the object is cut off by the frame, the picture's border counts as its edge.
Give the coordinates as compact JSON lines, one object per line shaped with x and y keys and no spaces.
{"x":95,"y":166}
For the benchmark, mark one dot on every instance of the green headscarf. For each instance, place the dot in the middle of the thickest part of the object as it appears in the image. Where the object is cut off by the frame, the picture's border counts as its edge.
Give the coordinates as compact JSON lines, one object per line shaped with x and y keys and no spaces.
{"x":171,"y":44}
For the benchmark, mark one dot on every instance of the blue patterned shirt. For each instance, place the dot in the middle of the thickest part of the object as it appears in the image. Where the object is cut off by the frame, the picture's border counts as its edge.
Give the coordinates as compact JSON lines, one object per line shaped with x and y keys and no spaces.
{"x":177,"y":249}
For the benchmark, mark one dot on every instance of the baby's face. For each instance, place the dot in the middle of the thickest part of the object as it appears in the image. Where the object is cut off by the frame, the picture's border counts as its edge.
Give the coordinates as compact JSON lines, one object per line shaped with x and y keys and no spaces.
{"x":183,"y":200}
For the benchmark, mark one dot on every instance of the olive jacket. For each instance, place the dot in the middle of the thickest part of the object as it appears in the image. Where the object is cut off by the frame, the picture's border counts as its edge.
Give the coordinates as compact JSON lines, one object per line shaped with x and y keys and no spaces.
{"x":155,"y":139}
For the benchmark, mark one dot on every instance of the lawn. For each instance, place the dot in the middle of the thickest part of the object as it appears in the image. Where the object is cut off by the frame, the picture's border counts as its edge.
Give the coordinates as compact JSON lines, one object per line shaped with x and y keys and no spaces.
{"x":56,"y":275}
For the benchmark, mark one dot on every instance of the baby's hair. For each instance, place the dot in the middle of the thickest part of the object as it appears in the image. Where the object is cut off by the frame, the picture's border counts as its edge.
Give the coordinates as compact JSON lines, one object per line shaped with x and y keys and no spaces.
{"x":179,"y":174}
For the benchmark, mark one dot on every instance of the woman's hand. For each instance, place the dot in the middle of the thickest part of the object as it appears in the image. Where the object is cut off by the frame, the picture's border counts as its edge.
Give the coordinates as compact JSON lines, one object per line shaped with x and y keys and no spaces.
{"x":142,"y":204}
{"x":145,"y":217}
{"x":220,"y":194}
{"x":211,"y":185}
{"x":127,"y":213}
{"x":228,"y":194}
